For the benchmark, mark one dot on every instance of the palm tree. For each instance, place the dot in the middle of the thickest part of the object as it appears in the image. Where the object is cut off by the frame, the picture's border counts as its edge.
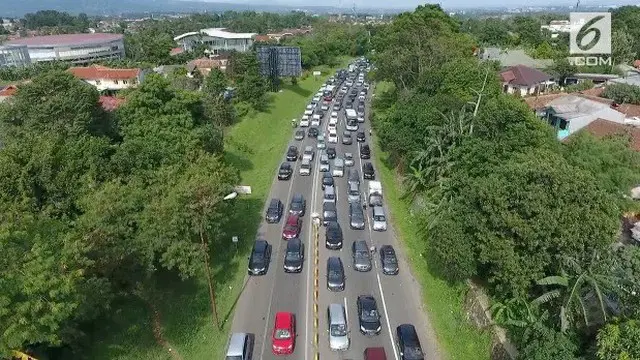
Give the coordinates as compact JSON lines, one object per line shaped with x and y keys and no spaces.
{"x":579,"y":287}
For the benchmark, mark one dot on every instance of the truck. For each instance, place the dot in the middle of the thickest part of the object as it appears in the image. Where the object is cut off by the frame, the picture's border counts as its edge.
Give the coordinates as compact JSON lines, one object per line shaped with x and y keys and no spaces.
{"x":375,"y":193}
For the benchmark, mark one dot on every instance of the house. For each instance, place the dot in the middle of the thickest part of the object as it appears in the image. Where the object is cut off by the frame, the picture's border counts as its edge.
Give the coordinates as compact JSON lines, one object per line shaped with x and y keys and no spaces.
{"x":523,"y":80}
{"x":216,"y":40}
{"x":204,"y":65}
{"x":514,"y":57}
{"x":570,"y":113}
{"x":556,"y":27}
{"x":108,"y":79}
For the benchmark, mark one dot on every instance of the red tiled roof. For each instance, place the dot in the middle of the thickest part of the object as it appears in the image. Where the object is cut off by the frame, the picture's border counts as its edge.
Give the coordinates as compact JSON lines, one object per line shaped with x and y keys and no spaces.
{"x":523,"y":75}
{"x":9,"y":90}
{"x":110,"y":103}
{"x":176,"y":51}
{"x":630,"y":110}
{"x":636,"y":64}
{"x":601,"y":128}
{"x":206,"y":63}
{"x":97,"y":72}
{"x":67,"y":39}
{"x":262,"y":38}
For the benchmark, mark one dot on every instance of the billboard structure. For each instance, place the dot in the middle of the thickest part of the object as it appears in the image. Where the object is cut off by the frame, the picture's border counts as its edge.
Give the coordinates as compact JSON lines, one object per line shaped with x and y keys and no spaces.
{"x":279,"y":61}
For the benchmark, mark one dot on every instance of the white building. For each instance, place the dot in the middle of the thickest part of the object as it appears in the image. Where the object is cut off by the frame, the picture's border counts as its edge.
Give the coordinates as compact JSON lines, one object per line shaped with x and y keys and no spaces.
{"x":14,"y":55}
{"x":558,"y":26}
{"x":75,"y":48}
{"x":108,"y":79}
{"x":216,"y":39}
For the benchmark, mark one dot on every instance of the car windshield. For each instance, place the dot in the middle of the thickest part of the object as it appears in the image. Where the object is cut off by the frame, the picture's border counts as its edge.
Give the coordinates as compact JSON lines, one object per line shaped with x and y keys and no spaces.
{"x":282,"y":334}
{"x":290,"y":228}
{"x":413,"y":352}
{"x":370,"y":315}
{"x":338,"y":330}
{"x":293,"y":256}
{"x":379,"y":218}
{"x":257,"y":256}
{"x":234,"y":357}
{"x":390,"y":258}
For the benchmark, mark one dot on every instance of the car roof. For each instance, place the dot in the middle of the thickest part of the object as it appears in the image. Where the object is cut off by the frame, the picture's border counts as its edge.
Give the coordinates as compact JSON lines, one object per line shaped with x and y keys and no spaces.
{"x":360,"y":245}
{"x":292,"y":219}
{"x":387,"y":248}
{"x":294,"y":244}
{"x":236,"y":344}
{"x":376,"y":353}
{"x":297,"y":197}
{"x":334,"y":261}
{"x":285,"y":165}
{"x":329,"y":206}
{"x":283,"y":320}
{"x":308,"y":148}
{"x":274,"y":202}
{"x":408,"y":333}
{"x":260,"y":244}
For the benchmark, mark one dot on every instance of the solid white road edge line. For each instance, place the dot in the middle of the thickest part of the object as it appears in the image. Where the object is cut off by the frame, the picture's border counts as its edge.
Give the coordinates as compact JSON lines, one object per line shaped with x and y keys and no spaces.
{"x":273,"y":286}
{"x":386,"y":315}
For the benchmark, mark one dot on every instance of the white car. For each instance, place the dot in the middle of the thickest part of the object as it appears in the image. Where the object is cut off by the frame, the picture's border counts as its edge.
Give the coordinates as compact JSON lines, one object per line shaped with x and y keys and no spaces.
{"x":334,"y":114}
{"x":361,"y":97}
{"x":310,"y":107}
{"x":332,"y":127}
{"x":333,"y":121}
{"x":308,"y":112}
{"x":321,"y":144}
{"x":333,"y":136}
{"x":305,"y":167}
{"x":315,"y":120}
{"x":304,"y":122}
{"x":366,"y":86}
{"x":360,"y":118}
{"x":316,"y":99}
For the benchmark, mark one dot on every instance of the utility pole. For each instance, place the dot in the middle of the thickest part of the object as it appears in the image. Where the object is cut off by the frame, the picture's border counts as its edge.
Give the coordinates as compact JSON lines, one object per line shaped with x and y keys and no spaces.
{"x":480,"y":93}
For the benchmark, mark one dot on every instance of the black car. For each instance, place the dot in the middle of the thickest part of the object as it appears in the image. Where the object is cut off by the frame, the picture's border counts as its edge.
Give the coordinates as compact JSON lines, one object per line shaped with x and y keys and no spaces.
{"x":360,"y":109}
{"x":274,"y":211}
{"x":299,"y":135}
{"x":298,"y":205}
{"x":365,"y":152}
{"x":367,"y":171}
{"x":285,"y":171}
{"x":331,"y":152}
{"x":294,"y":256}
{"x":348,"y":105}
{"x":356,"y":216}
{"x":312,"y":132}
{"x":408,"y":343}
{"x":327,"y":180}
{"x":260,"y":258}
{"x":360,"y":137}
{"x":333,"y":236}
{"x":335,"y":274}
{"x":292,"y":153}
{"x":389,"y":260}
{"x":368,"y":315}
{"x":329,"y":212}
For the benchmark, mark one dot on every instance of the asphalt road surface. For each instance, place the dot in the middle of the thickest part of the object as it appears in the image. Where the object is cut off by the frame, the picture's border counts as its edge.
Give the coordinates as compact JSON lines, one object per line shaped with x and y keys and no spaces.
{"x":398,"y":296}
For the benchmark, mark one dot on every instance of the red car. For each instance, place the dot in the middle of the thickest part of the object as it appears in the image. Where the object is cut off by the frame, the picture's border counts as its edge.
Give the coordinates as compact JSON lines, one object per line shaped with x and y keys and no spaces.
{"x":284,"y":334}
{"x":292,"y":227}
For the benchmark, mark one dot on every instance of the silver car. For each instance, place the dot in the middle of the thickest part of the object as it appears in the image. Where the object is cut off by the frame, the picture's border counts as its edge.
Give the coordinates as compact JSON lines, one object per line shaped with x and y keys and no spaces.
{"x":348,"y":159}
{"x":361,"y":256}
{"x":338,"y":330}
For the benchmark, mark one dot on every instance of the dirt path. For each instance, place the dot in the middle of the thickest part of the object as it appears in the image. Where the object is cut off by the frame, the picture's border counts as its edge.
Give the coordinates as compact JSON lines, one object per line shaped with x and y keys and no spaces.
{"x":157,"y":333}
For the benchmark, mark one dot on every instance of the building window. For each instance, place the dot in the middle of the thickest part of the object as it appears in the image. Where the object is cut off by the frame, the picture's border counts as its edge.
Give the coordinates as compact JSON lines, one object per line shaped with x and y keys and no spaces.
{"x":124,"y":82}
{"x":97,"y":82}
{"x":116,"y":82}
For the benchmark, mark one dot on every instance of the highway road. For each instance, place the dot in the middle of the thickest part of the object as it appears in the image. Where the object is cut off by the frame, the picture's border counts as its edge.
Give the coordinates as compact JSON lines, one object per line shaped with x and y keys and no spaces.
{"x":398,"y":297}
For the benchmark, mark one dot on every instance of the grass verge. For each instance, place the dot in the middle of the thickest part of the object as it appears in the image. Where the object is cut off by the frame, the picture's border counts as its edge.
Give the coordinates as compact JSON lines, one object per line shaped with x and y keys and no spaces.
{"x":457,"y":338}
{"x":255,"y":146}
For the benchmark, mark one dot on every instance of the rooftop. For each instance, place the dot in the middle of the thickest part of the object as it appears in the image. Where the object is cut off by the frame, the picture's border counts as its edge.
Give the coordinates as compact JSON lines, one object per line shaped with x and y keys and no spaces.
{"x":97,"y":72}
{"x":602,"y":128}
{"x":513,"y":57}
{"x":523,"y":75}
{"x":216,"y":32}
{"x":574,"y":106}
{"x":65,"y":40}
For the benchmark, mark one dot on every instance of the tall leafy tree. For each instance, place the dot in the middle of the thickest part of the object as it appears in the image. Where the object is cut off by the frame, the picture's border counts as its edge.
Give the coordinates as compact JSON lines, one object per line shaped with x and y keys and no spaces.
{"x":619,"y":340}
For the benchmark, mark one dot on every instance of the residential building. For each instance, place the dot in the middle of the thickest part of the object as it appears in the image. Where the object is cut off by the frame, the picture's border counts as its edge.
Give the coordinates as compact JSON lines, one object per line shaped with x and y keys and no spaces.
{"x":523,"y":80}
{"x":75,"y":48}
{"x":14,"y":55}
{"x":216,"y":40}
{"x":204,"y":65}
{"x":556,"y":27}
{"x":570,"y":113}
{"x":108,"y":79}
{"x":513,"y":57}
{"x":277,"y":36}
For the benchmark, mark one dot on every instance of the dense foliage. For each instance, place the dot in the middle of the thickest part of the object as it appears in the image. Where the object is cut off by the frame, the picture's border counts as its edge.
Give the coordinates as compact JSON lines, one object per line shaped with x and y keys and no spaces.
{"x":55,"y":22}
{"x":622,"y":93}
{"x":94,"y":203}
{"x":498,"y":198}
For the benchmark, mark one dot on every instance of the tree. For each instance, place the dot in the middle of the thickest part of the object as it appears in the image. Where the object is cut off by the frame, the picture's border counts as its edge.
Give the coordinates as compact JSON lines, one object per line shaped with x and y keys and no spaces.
{"x":621,"y":48}
{"x":622,"y":93}
{"x":219,"y":110}
{"x":545,"y":343}
{"x":619,"y":340}
{"x":583,"y":287}
{"x":215,"y":83}
{"x":562,"y":69}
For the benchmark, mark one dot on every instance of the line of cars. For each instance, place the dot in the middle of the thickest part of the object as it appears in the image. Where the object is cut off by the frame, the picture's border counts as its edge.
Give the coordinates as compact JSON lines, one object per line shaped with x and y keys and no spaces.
{"x":332,"y":166}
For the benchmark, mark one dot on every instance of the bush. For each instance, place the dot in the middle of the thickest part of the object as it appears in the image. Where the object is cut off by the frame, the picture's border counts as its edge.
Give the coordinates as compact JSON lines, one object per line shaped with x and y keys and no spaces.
{"x":623,"y":93}
{"x":243,"y":109}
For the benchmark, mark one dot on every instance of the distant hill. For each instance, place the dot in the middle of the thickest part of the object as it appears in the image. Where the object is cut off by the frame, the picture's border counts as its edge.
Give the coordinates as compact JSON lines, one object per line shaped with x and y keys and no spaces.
{"x":120,"y":7}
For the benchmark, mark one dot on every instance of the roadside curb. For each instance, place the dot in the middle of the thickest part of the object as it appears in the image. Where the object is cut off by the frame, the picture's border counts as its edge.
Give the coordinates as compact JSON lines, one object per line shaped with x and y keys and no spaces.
{"x":316,"y":291}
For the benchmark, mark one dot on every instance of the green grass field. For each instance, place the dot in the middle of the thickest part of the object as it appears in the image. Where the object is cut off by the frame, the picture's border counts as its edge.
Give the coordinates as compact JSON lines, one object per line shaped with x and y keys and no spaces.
{"x":456,"y":337}
{"x":255,"y":145}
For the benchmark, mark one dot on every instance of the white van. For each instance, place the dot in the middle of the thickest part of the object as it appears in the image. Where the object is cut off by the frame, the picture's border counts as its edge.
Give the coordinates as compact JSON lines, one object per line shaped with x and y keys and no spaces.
{"x":304,"y":122}
{"x":338,"y":331}
{"x":308,"y":112}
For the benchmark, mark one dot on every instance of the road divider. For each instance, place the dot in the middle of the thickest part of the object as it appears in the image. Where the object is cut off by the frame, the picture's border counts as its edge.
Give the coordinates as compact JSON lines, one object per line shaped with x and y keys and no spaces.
{"x":316,"y":290}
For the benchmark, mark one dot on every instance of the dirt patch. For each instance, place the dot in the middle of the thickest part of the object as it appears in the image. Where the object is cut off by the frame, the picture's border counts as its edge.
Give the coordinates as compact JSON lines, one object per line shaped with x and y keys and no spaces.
{"x":158,"y":335}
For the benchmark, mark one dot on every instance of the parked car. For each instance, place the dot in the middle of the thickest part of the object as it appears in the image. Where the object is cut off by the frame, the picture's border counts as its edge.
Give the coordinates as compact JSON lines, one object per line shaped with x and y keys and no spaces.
{"x":292,"y":227}
{"x":367,"y":171}
{"x":409,"y":343}
{"x":274,"y":211}
{"x":338,"y":327}
{"x":333,"y":236}
{"x":365,"y":152}
{"x":335,"y":274}
{"x":292,"y":153}
{"x":294,"y":256}
{"x":361,"y":256}
{"x":327,"y":180}
{"x":260,"y":258}
{"x":360,"y":137}
{"x":285,"y":171}
{"x":284,"y":334}
{"x":356,"y":216}
{"x":368,"y":315}
{"x":299,"y":135}
{"x":375,"y":353}
{"x":389,"y":260}
{"x":298,"y":205}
